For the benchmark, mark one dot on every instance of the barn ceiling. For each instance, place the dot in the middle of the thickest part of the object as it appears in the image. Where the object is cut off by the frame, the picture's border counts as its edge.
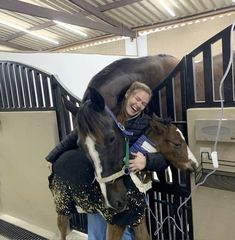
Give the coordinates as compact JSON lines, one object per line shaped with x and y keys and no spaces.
{"x":49,"y":25}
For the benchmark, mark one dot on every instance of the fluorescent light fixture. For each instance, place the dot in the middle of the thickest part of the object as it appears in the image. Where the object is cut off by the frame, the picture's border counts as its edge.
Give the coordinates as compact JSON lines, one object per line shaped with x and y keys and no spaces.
{"x":162,"y":2}
{"x":29,"y":32}
{"x":66,"y":26}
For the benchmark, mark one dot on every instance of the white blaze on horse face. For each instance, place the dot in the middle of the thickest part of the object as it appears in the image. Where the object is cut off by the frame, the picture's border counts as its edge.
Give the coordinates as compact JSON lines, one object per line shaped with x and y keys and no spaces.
{"x":190,"y":154}
{"x":90,"y":143}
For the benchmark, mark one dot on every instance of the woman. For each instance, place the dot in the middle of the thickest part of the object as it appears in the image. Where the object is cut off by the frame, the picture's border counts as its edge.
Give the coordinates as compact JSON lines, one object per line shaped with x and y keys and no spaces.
{"x":131,"y":115}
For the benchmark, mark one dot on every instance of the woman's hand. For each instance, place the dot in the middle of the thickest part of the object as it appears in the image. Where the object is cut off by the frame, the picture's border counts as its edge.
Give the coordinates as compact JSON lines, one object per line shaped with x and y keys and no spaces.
{"x":138,"y":163}
{"x":49,"y":166}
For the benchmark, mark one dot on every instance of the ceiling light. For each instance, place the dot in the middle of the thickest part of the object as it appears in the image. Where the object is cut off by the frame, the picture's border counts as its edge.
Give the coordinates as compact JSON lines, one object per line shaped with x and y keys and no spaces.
{"x":72,"y":29}
{"x":29,"y":32}
{"x":166,"y":8}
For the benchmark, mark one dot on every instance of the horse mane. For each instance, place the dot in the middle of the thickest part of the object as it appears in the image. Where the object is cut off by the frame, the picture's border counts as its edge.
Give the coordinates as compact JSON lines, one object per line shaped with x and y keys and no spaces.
{"x":165,"y":121}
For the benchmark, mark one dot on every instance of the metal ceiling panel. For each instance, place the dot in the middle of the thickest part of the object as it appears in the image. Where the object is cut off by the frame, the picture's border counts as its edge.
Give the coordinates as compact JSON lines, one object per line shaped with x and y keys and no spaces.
{"x":19,"y":19}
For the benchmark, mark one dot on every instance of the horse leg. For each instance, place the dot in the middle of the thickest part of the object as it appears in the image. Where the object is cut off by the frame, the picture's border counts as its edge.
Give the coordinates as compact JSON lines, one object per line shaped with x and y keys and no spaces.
{"x":141,"y":231}
{"x":62,"y":223}
{"x":114,"y":232}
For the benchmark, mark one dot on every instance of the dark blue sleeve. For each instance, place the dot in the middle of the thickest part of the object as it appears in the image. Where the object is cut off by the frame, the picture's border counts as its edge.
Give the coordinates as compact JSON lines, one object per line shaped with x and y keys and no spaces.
{"x":156,"y":162}
{"x":69,"y":142}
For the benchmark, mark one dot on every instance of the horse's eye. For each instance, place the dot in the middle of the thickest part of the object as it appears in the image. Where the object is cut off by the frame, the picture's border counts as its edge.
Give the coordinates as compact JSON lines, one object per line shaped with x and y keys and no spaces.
{"x":111,"y":139}
{"x":175,"y":145}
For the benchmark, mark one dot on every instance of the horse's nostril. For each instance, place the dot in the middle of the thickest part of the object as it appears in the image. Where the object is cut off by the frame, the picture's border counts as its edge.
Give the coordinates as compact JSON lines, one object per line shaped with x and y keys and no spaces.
{"x":194,"y":165}
{"x":111,"y":140}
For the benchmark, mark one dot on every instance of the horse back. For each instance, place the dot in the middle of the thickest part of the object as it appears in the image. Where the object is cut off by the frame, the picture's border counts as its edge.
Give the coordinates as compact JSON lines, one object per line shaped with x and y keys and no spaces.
{"x":113,"y":81}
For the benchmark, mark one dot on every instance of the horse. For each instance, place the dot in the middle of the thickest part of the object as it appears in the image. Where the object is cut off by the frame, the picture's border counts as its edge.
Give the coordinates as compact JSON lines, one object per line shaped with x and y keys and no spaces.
{"x":113,"y":80}
{"x":119,"y":200}
{"x":170,"y":142}
{"x":102,"y":141}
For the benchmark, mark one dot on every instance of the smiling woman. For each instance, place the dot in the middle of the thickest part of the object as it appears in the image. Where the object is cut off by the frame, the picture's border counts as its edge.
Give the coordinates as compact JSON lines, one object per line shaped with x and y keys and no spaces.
{"x":136,"y":99}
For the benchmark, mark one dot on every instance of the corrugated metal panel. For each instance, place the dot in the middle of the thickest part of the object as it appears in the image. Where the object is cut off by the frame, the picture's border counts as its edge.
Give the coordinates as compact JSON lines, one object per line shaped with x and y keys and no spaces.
{"x":132,"y":15}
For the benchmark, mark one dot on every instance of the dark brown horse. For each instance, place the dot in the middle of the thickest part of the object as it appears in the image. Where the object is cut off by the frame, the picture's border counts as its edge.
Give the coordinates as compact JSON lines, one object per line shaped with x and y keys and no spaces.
{"x":113,"y":81}
{"x":102,"y":141}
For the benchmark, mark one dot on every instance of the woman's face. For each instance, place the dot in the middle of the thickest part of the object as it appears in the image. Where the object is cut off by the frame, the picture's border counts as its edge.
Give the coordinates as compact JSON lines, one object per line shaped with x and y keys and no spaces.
{"x":136,"y":102}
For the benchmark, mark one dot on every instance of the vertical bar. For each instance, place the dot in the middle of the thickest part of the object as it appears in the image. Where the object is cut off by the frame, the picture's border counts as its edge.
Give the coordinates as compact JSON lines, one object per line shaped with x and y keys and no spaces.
{"x":228,"y":83}
{"x":31,"y":88}
{"x":12,"y":82}
{"x":4,"y":101}
{"x":8,"y":86}
{"x":38,"y":89}
{"x":155,"y":106}
{"x":19,"y":86}
{"x":56,"y":95}
{"x":24,"y":79}
{"x":183,"y":89}
{"x":46,"y":90}
{"x":152,"y":222}
{"x":207,"y":68}
{"x":170,"y":98}
{"x":190,"y":81}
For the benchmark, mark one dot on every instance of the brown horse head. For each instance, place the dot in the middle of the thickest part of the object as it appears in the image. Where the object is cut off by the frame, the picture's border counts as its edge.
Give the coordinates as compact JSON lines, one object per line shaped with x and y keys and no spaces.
{"x":171,"y":143}
{"x":103,"y":143}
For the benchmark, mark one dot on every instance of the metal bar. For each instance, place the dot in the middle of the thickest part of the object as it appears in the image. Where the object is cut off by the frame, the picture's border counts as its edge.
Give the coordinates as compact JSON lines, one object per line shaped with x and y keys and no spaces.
{"x":24,"y":79}
{"x":190,"y":81}
{"x":4,"y":101}
{"x":8,"y":86}
{"x":207,"y":68}
{"x":14,"y":91}
{"x":170,"y":98}
{"x":38,"y":88}
{"x":31,"y":88}
{"x":228,"y":82}
{"x":19,"y":86}
{"x":46,"y":90}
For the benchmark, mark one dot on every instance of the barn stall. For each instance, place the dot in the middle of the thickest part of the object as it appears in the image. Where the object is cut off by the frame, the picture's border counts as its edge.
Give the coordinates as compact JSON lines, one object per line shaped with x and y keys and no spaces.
{"x":29,"y":93}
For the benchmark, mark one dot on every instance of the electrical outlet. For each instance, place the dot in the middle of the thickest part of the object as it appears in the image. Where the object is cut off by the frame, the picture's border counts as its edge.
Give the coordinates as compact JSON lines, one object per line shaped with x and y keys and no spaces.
{"x":205,"y":152}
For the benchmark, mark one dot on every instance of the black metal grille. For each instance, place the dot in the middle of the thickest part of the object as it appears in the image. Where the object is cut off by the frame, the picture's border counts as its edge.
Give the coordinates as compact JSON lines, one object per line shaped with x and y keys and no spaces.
{"x":13,"y":232}
{"x":165,"y":197}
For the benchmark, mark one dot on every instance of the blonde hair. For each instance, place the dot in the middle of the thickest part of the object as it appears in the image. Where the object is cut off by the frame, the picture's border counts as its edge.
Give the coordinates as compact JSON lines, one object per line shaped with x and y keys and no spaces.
{"x":135,"y":86}
{"x":138,"y":86}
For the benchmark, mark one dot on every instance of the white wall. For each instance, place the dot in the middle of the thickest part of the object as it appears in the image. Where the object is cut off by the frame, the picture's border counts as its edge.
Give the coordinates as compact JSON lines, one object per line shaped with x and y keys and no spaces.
{"x":213,"y":208}
{"x":73,"y":70}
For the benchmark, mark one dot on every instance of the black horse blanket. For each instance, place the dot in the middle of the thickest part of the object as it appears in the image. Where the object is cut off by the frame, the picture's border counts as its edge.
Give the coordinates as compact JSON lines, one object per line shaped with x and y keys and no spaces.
{"x":72,"y":183}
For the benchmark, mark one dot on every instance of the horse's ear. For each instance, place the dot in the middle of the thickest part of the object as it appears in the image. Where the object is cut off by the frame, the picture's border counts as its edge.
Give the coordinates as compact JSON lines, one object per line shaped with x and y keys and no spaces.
{"x":70,"y":106}
{"x":97,"y":100}
{"x":156,"y":117}
{"x":157,"y":124}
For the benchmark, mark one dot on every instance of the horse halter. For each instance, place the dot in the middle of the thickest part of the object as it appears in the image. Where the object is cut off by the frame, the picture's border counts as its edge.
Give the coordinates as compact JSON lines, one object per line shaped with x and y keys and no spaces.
{"x":125,"y":169}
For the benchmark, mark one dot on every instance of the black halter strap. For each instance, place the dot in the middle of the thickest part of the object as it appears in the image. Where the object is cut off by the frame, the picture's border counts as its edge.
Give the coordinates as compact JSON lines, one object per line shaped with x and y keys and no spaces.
{"x":120,"y":126}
